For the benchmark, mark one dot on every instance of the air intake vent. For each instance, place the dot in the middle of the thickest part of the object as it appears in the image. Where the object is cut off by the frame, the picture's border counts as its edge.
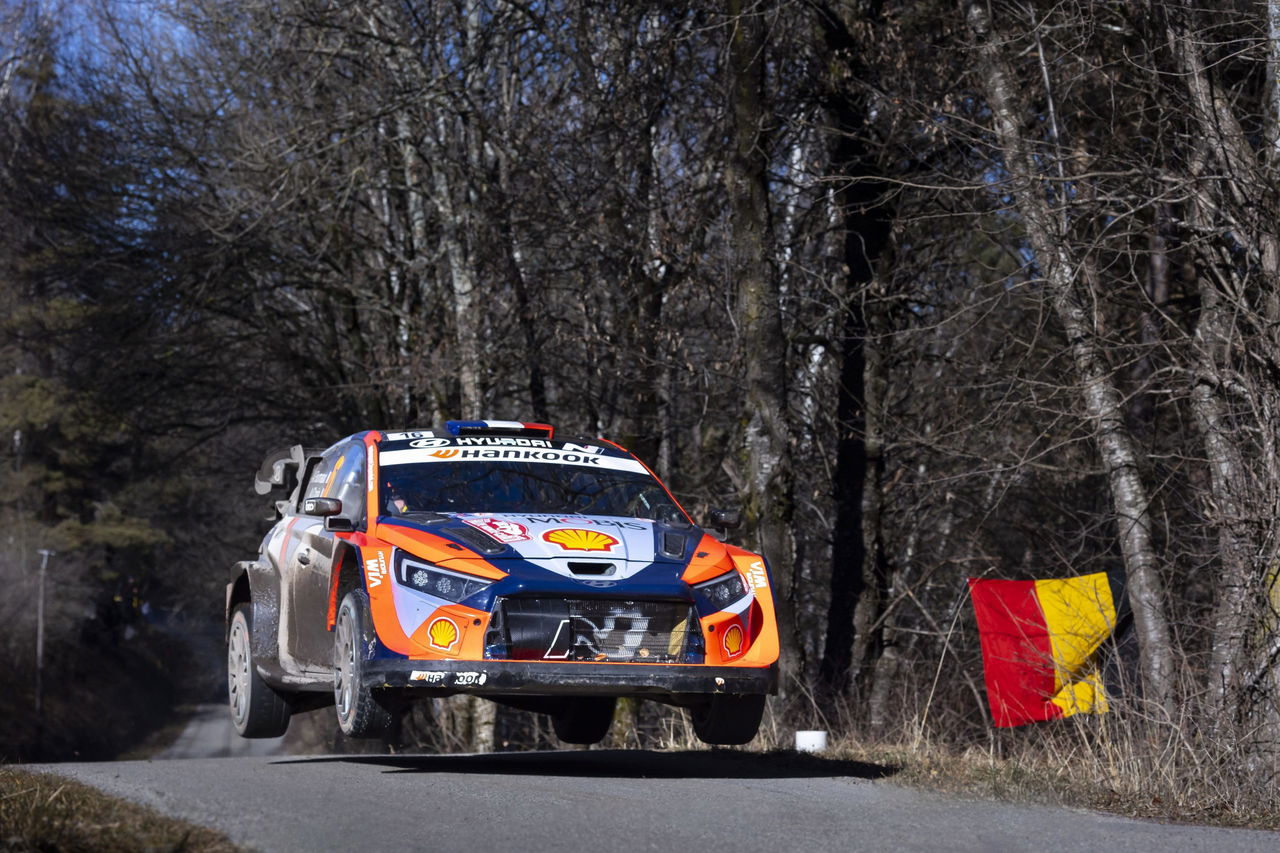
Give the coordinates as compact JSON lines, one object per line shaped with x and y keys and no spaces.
{"x":673,"y":544}
{"x":591,"y":568}
{"x":477,"y":539}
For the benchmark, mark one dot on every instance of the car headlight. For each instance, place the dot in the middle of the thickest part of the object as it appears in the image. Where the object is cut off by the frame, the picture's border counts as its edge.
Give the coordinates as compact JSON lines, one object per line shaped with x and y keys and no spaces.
{"x":724,"y":590}
{"x":433,"y":580}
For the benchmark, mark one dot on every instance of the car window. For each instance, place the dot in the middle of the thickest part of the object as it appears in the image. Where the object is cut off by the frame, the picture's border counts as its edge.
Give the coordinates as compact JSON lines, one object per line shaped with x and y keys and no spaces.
{"x":348,"y":484}
{"x":324,"y":472}
{"x":502,"y":486}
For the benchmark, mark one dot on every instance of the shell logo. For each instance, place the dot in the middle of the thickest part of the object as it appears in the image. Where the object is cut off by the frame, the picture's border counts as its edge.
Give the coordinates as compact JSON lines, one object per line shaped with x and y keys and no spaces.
{"x":732,"y":641}
{"x":576,"y":539}
{"x":443,"y":634}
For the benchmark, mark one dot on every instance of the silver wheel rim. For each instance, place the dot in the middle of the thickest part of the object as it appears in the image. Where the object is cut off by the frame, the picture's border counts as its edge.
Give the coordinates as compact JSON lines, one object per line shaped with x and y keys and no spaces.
{"x":238,"y":673}
{"x":344,"y":667}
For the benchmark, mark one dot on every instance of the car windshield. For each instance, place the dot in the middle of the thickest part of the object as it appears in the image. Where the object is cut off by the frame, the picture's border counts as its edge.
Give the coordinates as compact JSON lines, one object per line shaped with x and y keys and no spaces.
{"x":522,"y":487}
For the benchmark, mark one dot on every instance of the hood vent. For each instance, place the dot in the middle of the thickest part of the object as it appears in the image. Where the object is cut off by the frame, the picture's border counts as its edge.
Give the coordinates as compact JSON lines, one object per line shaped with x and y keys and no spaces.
{"x":593,"y":569}
{"x":477,"y":539}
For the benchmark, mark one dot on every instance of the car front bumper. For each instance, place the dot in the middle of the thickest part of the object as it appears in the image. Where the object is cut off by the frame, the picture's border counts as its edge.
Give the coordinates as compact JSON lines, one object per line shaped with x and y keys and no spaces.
{"x":540,"y":678}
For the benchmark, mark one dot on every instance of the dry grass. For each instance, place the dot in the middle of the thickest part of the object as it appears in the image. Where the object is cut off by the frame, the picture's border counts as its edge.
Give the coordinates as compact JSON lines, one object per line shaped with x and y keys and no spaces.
{"x":1126,"y":763}
{"x":47,"y":813}
{"x":1135,"y":761}
{"x":1048,"y":779}
{"x":1133,"y":769}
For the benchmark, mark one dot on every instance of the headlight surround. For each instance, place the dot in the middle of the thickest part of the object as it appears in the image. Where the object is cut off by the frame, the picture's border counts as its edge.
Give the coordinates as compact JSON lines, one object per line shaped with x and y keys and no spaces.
{"x":441,"y":583}
{"x":725,"y":590}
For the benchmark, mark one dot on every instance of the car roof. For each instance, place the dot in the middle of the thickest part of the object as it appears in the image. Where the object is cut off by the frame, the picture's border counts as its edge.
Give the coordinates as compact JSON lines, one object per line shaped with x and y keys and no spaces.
{"x":492,"y":429}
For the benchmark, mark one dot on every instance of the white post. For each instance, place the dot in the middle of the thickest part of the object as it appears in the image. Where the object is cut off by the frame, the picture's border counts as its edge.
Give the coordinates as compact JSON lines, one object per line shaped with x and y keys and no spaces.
{"x":45,"y":554}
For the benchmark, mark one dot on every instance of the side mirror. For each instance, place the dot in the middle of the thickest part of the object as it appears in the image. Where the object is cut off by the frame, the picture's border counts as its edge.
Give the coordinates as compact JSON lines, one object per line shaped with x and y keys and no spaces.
{"x":727,"y":519}
{"x":322,"y":506}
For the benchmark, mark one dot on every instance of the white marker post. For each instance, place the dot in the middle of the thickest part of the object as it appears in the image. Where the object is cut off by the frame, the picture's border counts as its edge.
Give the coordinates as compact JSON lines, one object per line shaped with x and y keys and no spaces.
{"x":811,"y":741}
{"x":45,"y":554}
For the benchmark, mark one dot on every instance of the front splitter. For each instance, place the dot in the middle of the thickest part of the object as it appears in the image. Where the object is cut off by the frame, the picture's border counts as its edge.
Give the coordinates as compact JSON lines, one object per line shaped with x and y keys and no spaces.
{"x":541,"y":678}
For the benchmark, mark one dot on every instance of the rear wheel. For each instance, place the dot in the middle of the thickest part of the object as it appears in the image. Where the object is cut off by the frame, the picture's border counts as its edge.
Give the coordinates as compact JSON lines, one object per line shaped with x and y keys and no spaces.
{"x":360,"y":713}
{"x":728,"y":719}
{"x":256,"y":709}
{"x":584,"y":720}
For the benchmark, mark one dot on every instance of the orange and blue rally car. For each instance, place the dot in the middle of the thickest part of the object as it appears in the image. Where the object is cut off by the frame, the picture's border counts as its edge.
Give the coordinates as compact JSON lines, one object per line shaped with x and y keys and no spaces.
{"x":491,"y":558}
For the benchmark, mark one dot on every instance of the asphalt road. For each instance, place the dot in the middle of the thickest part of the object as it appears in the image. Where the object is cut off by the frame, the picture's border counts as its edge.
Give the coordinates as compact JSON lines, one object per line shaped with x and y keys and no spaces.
{"x":210,"y":734}
{"x":605,"y":800}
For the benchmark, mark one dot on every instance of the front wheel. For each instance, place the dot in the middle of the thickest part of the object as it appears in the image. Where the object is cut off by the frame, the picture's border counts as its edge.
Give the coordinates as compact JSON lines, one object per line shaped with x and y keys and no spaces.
{"x":256,"y":709}
{"x":728,"y":719}
{"x":360,"y":713}
{"x":585,"y":720}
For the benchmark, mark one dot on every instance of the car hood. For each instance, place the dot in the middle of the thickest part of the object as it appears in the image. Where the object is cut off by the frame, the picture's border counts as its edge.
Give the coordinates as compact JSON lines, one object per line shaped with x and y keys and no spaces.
{"x":570,"y":545}
{"x":577,"y":537}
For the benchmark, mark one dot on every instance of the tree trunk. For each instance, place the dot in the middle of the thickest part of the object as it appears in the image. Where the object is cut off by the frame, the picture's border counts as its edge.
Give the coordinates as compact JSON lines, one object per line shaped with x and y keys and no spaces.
{"x":857,"y":560}
{"x":1071,"y":286}
{"x":868,"y":616}
{"x":768,"y":504}
{"x":1243,"y":616}
{"x":527,"y":315}
{"x":1142,"y":408}
{"x":850,"y":586}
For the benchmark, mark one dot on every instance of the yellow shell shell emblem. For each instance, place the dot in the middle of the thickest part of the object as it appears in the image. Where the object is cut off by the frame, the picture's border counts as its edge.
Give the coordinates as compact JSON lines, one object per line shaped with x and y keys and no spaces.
{"x":576,"y":539}
{"x":443,"y":633}
{"x":732,"y":641}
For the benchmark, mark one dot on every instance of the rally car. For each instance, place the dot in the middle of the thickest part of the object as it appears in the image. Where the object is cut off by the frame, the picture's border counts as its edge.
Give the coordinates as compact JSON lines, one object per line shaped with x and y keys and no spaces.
{"x":490,"y":557}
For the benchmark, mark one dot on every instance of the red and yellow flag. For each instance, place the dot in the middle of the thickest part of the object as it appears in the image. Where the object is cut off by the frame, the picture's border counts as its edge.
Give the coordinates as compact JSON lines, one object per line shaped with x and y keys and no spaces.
{"x":1039,"y":643}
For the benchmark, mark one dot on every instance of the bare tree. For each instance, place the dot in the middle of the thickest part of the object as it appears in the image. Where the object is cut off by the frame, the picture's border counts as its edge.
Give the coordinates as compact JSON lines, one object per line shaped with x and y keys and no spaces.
{"x":1073,"y":283}
{"x":769,"y":477}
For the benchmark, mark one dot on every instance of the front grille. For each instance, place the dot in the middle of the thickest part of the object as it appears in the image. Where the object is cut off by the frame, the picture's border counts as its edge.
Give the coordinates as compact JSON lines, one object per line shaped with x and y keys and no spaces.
{"x":593,"y":629}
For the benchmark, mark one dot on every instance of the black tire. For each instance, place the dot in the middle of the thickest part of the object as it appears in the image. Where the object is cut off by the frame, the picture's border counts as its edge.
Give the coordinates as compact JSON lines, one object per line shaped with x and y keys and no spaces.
{"x":360,"y":713}
{"x":257,"y":710}
{"x":728,"y":719}
{"x":585,"y":720}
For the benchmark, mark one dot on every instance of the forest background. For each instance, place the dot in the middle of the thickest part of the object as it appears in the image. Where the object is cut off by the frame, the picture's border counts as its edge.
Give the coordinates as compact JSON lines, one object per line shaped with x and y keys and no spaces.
{"x":932,"y":290}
